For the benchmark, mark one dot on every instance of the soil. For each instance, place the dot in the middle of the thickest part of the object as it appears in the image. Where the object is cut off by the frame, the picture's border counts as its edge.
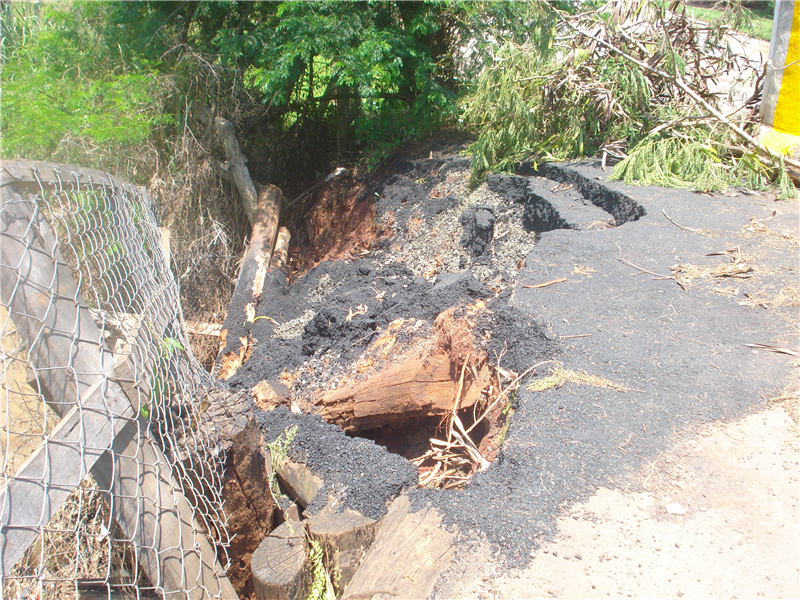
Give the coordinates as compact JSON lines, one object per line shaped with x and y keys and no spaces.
{"x":655,"y":291}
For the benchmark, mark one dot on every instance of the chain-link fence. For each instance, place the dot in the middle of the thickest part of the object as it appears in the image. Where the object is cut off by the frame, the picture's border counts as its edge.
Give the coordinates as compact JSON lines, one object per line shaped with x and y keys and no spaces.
{"x":112,"y":465}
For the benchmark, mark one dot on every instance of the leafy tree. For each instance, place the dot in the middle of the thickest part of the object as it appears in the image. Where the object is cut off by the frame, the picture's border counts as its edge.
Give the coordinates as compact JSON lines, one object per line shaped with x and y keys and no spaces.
{"x":68,"y":93}
{"x":319,"y":82}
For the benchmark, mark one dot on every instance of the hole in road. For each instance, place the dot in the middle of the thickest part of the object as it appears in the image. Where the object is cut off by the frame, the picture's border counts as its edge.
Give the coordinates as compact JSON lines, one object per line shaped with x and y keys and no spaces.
{"x":443,"y":461}
{"x":559,"y":198}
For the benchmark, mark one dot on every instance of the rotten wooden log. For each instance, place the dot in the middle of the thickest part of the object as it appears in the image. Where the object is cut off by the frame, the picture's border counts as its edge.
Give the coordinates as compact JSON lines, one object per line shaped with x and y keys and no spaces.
{"x":420,"y":387}
{"x":236,"y":163}
{"x":280,"y":255}
{"x":344,"y":538}
{"x":410,"y":552}
{"x":282,"y":569}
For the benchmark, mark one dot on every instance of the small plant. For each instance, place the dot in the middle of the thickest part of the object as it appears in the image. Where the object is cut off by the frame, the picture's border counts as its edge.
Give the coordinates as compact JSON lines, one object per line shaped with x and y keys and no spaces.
{"x":321,"y":587}
{"x":277,"y":452}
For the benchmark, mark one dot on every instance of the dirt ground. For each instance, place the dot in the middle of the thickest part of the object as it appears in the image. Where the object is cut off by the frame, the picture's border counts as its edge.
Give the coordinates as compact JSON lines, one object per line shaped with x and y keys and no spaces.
{"x":718,"y":519}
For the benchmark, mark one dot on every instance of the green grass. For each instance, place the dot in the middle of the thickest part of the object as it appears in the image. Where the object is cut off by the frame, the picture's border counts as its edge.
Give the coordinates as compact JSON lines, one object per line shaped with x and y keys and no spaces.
{"x":761,"y":19}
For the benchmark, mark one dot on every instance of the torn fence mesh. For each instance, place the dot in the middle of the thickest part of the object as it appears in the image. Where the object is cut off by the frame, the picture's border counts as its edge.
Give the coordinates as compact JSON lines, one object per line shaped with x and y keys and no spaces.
{"x":112,"y":471}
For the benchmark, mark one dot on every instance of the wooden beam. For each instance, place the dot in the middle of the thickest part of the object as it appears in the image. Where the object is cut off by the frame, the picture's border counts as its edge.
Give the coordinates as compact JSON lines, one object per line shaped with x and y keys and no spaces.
{"x":255,"y":262}
{"x":51,"y":320}
{"x":57,"y":466}
{"x":280,"y":255}
{"x":410,"y":551}
{"x":26,"y":174}
{"x":236,"y":161}
{"x":151,"y":508}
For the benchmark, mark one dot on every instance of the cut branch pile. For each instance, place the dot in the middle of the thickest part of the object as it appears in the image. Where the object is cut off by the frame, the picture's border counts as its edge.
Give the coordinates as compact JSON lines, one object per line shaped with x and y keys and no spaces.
{"x":450,"y":463}
{"x":674,"y":99}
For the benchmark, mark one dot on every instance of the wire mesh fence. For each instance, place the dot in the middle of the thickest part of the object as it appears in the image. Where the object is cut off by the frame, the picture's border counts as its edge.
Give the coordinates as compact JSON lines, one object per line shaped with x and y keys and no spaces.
{"x":112,"y":467}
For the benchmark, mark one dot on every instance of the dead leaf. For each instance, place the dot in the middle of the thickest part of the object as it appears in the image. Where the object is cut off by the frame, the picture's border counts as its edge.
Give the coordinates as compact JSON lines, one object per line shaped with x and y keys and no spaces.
{"x":546,"y":283}
{"x":776,"y":349}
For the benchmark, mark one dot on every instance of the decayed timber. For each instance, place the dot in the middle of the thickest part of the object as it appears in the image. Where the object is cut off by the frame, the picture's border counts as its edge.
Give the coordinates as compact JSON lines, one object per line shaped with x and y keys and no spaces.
{"x":280,"y":255}
{"x":416,"y":388}
{"x":281,"y":565}
{"x":410,"y":551}
{"x":236,"y":163}
{"x":344,"y":537}
{"x":252,"y":275}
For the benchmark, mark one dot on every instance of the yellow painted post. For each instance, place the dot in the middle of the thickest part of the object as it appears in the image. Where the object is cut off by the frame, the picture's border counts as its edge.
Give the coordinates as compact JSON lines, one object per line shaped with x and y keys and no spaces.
{"x":780,"y":105}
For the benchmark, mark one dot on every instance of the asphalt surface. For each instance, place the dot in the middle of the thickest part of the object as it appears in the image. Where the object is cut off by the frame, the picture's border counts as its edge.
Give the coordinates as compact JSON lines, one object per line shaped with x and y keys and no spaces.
{"x":681,"y":353}
{"x":619,"y":314}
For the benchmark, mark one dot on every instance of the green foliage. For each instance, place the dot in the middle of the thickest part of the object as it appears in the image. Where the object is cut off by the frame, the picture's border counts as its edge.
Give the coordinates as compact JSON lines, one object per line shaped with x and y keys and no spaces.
{"x":66,"y":87}
{"x":277,"y":451}
{"x":321,"y":588}
{"x":278,"y":448}
{"x":526,"y":104}
{"x":329,"y":81}
{"x":589,"y":99}
{"x":696,"y":160}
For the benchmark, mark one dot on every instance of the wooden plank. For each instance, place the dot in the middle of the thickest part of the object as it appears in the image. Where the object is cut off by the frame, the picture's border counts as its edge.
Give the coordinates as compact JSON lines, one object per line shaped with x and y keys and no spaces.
{"x":58,"y":330}
{"x":23,"y":173}
{"x":255,"y":262}
{"x":152,"y":511}
{"x":410,"y":551}
{"x":54,"y":325}
{"x":280,"y":255}
{"x":299,"y":481}
{"x":20,"y":405}
{"x":44,"y":481}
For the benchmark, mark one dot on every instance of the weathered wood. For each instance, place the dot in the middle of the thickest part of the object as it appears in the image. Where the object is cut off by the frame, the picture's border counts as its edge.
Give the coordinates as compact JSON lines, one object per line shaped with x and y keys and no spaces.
{"x":281,"y":565}
{"x":420,"y":387}
{"x":255,"y":262}
{"x":44,"y":481}
{"x":299,"y":481}
{"x":250,"y":283}
{"x":248,"y":503}
{"x":26,"y":174}
{"x":67,"y":347}
{"x":280,"y":255}
{"x":37,"y":286}
{"x":410,"y":551}
{"x":344,"y":537}
{"x":151,"y":509}
{"x":236,"y":163}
